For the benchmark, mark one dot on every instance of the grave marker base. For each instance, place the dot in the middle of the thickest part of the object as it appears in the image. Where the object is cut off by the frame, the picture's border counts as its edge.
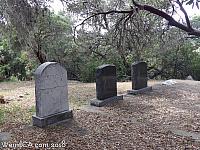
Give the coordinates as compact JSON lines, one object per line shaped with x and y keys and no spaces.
{"x":100,"y":103}
{"x":140,"y":91}
{"x":55,"y":118}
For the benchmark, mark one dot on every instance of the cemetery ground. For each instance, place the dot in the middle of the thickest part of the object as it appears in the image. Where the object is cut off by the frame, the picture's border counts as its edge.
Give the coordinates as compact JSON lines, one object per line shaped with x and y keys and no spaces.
{"x":166,"y":118}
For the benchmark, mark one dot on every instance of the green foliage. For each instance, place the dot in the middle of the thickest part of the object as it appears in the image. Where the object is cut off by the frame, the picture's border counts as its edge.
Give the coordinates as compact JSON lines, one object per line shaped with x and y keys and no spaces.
{"x":15,"y":65}
{"x":195,"y":64}
{"x":87,"y":73}
{"x":117,"y":39}
{"x":178,"y":62}
{"x":122,"y":71}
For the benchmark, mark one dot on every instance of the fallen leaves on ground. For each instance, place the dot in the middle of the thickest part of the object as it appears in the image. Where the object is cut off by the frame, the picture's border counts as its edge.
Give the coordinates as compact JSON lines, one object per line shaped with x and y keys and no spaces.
{"x":143,"y":121}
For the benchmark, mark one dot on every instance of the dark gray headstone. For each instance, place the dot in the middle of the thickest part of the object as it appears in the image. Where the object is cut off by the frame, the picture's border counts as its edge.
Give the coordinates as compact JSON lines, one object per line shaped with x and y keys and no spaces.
{"x":51,"y":94}
{"x":106,"y":85}
{"x":139,"y":75}
{"x":139,"y":78}
{"x":106,"y":82}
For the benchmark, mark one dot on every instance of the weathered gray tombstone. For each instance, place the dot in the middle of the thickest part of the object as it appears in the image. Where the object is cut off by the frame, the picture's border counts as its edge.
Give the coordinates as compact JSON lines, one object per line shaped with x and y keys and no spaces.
{"x":139,"y":78}
{"x":51,"y":95}
{"x":106,"y":86}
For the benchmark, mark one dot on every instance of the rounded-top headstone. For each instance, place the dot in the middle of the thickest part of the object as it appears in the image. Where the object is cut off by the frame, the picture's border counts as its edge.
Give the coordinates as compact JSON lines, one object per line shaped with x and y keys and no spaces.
{"x":50,"y":89}
{"x":106,"y":70}
{"x":50,"y":75}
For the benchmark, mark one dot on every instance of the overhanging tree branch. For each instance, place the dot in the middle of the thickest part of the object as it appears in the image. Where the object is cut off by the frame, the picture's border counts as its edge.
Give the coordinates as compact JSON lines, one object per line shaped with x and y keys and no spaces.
{"x":170,"y":19}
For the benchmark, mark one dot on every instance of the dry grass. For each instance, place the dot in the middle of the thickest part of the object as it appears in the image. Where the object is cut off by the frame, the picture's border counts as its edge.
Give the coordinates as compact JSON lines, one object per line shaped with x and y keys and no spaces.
{"x":22,"y":94}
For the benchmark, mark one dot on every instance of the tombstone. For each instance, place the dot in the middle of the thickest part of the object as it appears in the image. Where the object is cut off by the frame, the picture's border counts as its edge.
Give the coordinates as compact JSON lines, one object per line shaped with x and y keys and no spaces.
{"x":51,"y":95}
{"x":106,"y":86}
{"x":139,"y":78}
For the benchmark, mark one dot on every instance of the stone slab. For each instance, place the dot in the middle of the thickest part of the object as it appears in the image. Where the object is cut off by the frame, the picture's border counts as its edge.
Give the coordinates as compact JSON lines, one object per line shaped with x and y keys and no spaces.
{"x":106,"y":82}
{"x":139,"y":75}
{"x":100,"y":103}
{"x":52,"y":119}
{"x":194,"y":136}
{"x":51,"y":89}
{"x":140,"y":91}
{"x":51,"y":101}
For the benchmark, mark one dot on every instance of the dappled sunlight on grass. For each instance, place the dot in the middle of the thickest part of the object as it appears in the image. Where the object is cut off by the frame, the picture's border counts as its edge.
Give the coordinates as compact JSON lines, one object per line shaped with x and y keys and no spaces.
{"x":81,"y":93}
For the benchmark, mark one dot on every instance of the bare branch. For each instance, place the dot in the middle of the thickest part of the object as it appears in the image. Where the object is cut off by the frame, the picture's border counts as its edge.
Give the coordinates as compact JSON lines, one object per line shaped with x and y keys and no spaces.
{"x":104,"y":13}
{"x":185,"y":13}
{"x":100,"y":13}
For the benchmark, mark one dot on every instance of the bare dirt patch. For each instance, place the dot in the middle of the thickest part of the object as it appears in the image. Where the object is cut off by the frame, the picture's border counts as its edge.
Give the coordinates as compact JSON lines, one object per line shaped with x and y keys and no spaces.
{"x":166,"y":118}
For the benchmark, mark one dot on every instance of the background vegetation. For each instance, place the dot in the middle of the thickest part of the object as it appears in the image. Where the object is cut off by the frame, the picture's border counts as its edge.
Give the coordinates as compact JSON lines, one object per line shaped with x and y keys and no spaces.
{"x":33,"y":35}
